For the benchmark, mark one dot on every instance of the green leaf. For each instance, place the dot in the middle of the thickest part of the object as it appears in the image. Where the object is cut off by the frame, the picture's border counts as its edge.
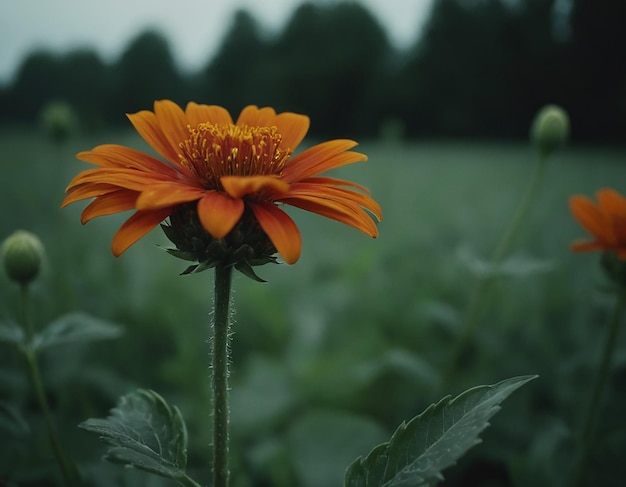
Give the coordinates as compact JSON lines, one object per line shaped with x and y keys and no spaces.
{"x":144,"y":432}
{"x":12,"y":421}
{"x":75,"y":327}
{"x":11,"y":333}
{"x":516,"y":266}
{"x":421,"y":449}
{"x":321,"y":443}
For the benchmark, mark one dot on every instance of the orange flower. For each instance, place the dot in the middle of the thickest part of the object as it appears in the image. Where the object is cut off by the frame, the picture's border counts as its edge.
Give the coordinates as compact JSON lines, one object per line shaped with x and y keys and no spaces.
{"x":606,"y":222}
{"x":223,"y":169}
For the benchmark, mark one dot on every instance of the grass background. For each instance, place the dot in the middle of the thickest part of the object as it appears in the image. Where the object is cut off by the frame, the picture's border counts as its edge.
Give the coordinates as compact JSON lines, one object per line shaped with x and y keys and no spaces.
{"x":333,"y":353}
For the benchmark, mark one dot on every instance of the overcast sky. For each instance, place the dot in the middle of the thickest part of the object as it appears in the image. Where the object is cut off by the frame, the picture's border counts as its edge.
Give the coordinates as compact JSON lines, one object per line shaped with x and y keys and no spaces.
{"x":194,"y":28}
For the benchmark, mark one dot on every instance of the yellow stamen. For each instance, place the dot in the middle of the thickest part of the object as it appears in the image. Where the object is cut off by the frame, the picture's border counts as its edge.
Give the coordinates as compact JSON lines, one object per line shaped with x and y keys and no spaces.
{"x":216,"y":150}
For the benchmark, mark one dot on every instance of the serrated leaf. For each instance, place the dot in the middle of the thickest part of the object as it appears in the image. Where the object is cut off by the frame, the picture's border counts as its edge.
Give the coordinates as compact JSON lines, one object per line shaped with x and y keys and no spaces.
{"x":75,"y":327}
{"x":144,"y":432}
{"x":421,"y":449}
{"x":11,"y":333}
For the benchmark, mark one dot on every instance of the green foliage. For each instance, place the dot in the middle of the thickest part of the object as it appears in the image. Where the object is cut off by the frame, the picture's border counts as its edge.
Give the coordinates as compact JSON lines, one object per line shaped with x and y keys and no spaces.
{"x":75,"y":327}
{"x":421,"y":449}
{"x":144,"y":432}
{"x":11,"y":332}
{"x":329,"y":440}
{"x":514,"y":266}
{"x":12,"y":421}
{"x":70,"y":328}
{"x":357,"y":328}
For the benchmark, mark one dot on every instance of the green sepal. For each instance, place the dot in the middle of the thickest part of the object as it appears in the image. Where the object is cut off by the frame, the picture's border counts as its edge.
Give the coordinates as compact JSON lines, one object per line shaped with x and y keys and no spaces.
{"x":145,"y":433}
{"x":246,"y":269}
{"x":181,"y":254}
{"x":421,"y":449}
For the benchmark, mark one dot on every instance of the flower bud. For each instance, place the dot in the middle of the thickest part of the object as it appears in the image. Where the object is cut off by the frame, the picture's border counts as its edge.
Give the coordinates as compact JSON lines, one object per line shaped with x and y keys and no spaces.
{"x":22,"y":253}
{"x":58,"y":120}
{"x":550,"y":129}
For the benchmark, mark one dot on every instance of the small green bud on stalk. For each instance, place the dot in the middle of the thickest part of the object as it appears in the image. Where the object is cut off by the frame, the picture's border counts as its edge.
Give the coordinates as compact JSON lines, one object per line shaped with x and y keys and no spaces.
{"x":58,"y":120}
{"x":550,"y":129}
{"x":22,"y":254}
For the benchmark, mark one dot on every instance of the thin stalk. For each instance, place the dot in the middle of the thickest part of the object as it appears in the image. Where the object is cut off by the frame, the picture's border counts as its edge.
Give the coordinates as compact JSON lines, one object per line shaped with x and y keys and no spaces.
{"x":187,"y":481}
{"x":221,"y":331}
{"x":511,"y":232}
{"x":503,"y":246}
{"x":599,"y":386}
{"x":68,"y":469}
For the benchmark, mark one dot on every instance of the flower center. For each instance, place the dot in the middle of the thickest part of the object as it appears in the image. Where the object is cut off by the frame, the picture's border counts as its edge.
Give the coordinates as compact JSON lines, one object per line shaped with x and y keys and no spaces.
{"x":216,"y":150}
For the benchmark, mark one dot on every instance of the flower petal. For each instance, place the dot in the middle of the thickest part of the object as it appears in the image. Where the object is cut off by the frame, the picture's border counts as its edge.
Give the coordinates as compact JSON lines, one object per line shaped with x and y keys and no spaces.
{"x":585,"y":246}
{"x":336,"y":182}
{"x":611,"y":202}
{"x":162,"y":195}
{"x":136,"y":227}
{"x":87,"y":190}
{"x":333,"y":193}
{"x":147,"y":124}
{"x":120,"y":177}
{"x":197,"y":114}
{"x":112,"y":155}
{"x":280,"y":229}
{"x":613,"y":205}
{"x":110,"y":203}
{"x":239,"y":186}
{"x":351,"y":215}
{"x":173,"y":123}
{"x":219,"y":213}
{"x":591,"y":218}
{"x":293,"y":127}
{"x":320,"y":158}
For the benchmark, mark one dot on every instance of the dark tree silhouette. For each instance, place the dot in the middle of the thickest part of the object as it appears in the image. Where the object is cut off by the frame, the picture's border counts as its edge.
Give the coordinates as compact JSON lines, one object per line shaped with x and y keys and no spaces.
{"x":332,"y":57}
{"x":597,"y":74}
{"x":237,"y":75}
{"x":144,"y":73}
{"x":481,"y":68}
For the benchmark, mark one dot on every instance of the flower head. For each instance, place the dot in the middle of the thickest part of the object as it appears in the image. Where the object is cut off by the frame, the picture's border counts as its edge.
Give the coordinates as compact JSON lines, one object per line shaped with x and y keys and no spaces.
{"x":222,"y":183}
{"x":605,"y":221}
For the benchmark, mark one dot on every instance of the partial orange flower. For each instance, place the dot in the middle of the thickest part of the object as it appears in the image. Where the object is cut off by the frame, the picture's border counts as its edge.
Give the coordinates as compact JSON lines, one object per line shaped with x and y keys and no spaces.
{"x":223,"y":174}
{"x":605,"y":221}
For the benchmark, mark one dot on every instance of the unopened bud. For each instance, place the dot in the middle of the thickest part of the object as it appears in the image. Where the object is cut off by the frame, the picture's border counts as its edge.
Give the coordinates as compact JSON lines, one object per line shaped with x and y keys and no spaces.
{"x":22,"y":253}
{"x":550,"y":129}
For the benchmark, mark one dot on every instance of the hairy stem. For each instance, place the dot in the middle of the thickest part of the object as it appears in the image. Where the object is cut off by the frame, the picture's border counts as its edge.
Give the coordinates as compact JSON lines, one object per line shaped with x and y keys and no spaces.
{"x":221,"y":331}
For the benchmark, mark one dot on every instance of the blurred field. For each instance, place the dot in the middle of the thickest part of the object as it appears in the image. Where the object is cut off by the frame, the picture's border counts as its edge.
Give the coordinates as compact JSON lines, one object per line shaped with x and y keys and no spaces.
{"x":334,"y":352}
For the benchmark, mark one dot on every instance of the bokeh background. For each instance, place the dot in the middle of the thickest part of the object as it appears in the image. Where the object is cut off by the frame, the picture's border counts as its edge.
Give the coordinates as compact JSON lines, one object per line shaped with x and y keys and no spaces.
{"x":333,"y":353}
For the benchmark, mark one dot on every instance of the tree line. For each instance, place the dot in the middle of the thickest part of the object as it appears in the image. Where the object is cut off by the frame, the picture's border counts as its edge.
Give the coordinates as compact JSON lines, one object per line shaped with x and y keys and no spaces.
{"x":480,"y":68}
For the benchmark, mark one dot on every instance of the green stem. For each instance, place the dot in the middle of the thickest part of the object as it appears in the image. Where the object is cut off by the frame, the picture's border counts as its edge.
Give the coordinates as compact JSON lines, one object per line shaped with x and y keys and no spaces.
{"x":68,"y":469}
{"x":598,"y":388}
{"x":187,"y":481}
{"x":480,"y":292}
{"x":511,"y":232}
{"x":221,"y":331}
